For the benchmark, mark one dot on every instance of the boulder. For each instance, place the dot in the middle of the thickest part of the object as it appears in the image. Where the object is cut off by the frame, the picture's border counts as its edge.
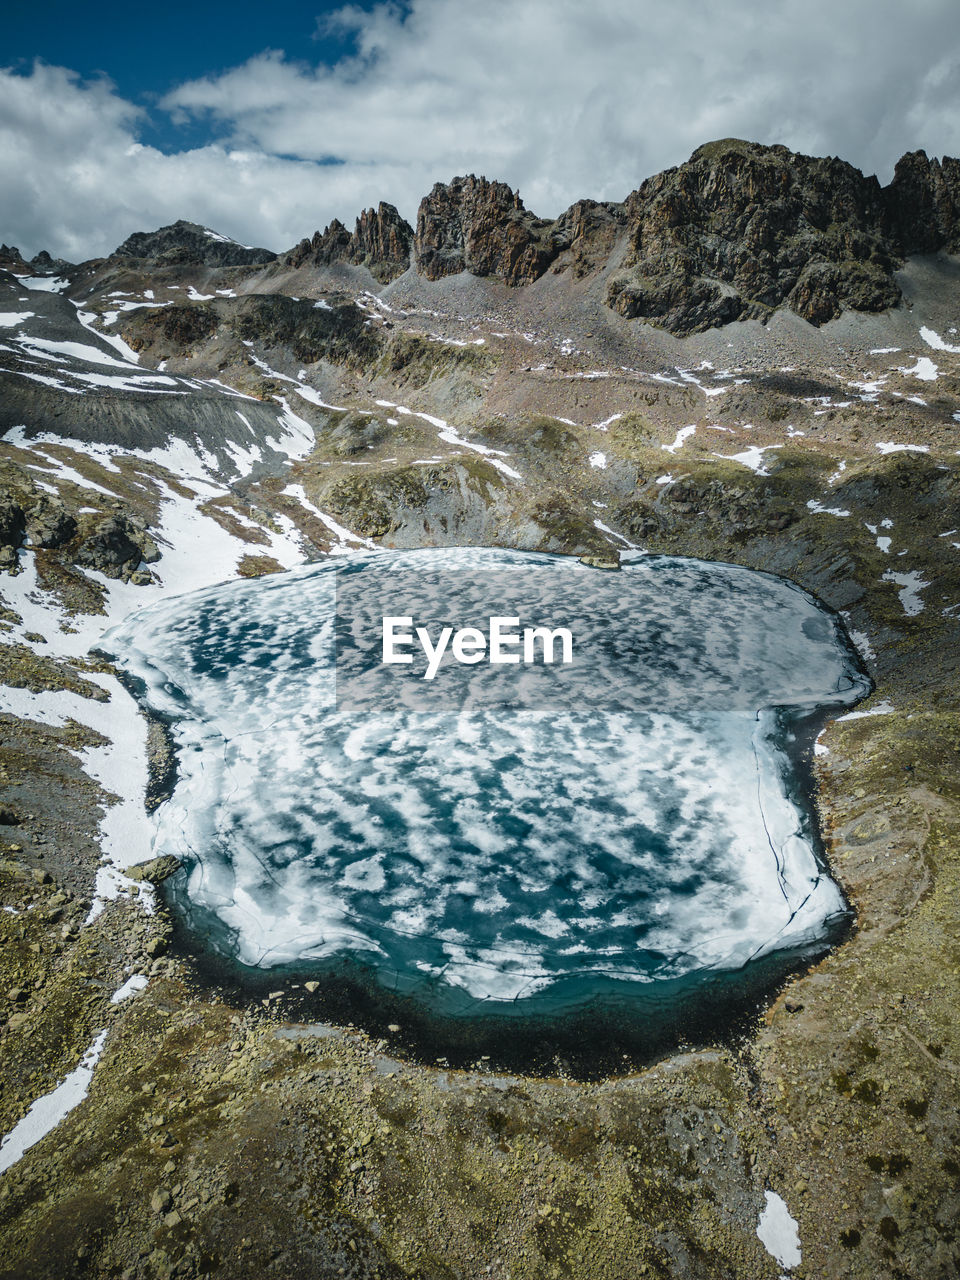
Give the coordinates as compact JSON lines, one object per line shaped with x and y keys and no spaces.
{"x":156,"y":870}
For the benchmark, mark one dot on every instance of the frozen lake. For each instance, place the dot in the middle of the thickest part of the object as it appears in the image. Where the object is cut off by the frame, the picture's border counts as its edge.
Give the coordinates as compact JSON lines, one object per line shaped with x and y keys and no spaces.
{"x":509,"y":838}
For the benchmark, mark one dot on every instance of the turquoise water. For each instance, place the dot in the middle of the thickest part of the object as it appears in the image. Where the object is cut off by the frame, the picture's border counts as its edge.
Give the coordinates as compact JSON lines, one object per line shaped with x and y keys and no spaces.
{"x":521,"y":840}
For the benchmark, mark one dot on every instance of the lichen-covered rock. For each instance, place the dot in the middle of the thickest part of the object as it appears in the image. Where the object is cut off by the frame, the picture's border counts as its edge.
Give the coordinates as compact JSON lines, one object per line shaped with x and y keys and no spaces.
{"x":49,"y":523}
{"x":156,"y":870}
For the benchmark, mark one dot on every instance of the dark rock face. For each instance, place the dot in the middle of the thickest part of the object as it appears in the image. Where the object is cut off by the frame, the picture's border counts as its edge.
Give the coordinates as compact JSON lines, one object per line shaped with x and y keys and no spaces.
{"x":741,"y":229}
{"x":50,"y":524}
{"x":336,"y":333}
{"x":380,"y":242}
{"x":186,"y":242}
{"x":923,"y":204}
{"x":12,"y":526}
{"x":116,"y":547}
{"x":12,"y":523}
{"x":481,"y":227}
{"x":734,"y":233}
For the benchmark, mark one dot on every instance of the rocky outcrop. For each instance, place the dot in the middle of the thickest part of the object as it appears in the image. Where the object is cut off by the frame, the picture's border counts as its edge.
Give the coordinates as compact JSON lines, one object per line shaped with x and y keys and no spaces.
{"x":187,"y":243}
{"x":12,"y":527}
{"x":736,"y":232}
{"x":11,"y":259}
{"x":311,"y":332}
{"x":46,"y":265}
{"x":49,"y":523}
{"x":178,"y":328}
{"x":741,"y":229}
{"x":380,"y":242}
{"x":116,"y":547}
{"x":482,"y":227}
{"x":588,"y":233}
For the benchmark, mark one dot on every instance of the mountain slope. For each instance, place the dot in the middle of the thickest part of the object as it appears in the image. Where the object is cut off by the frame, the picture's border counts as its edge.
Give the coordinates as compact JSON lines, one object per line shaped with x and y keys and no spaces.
{"x":182,"y":415}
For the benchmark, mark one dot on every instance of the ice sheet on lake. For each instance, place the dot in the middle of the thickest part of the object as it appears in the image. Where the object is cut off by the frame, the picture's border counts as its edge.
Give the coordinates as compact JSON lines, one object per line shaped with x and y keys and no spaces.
{"x":497,"y":848}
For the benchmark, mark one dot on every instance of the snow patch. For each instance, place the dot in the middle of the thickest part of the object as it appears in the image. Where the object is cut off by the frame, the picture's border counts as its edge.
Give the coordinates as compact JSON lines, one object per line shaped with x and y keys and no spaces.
{"x":814,"y":505}
{"x":890,"y":446}
{"x":777,"y":1231}
{"x":933,"y":339}
{"x":881,"y":709}
{"x":924,"y":369}
{"x":133,"y":984}
{"x":683,"y":434}
{"x":751,"y":457}
{"x":910,"y":584}
{"x":47,"y":1112}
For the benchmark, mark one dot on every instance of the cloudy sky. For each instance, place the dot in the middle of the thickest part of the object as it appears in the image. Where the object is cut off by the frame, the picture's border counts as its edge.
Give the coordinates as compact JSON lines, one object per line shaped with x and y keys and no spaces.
{"x":265,"y":122}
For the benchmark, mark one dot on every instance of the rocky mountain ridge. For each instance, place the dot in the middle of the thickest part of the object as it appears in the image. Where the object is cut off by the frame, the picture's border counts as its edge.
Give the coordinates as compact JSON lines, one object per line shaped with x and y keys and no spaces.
{"x":737,"y":231}
{"x":734,"y":233}
{"x":380,"y":242}
{"x":187,"y":242}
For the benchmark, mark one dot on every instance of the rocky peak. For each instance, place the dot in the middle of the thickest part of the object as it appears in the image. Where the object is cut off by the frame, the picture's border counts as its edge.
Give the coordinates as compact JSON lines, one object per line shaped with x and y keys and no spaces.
{"x":380,"y":242}
{"x":482,"y":227}
{"x":741,"y":229}
{"x":11,"y":259}
{"x":45,"y":264}
{"x":923,"y":203}
{"x":187,"y":242}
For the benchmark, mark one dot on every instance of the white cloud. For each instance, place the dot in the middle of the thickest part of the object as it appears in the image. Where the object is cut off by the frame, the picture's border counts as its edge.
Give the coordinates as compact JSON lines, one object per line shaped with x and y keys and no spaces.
{"x":556,"y":97}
